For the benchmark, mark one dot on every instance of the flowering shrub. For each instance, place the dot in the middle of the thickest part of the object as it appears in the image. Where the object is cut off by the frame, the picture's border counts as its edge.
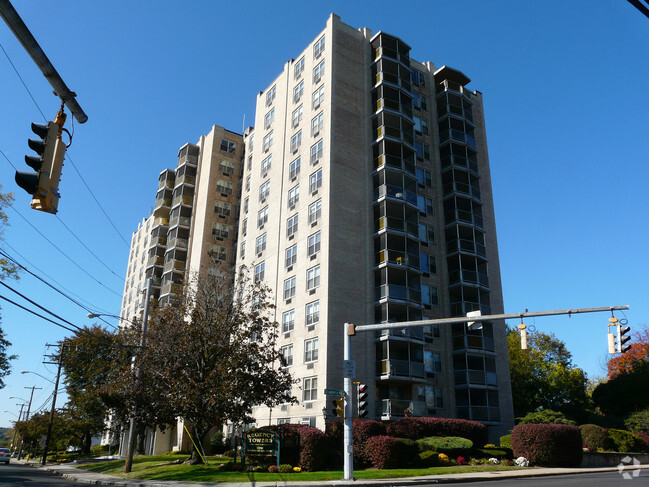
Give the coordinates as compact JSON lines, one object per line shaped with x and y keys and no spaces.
{"x":297,"y":469}
{"x":461,"y":460}
{"x":273,"y":469}
{"x":495,"y":461}
{"x":522,"y":462}
{"x":506,"y":463}
{"x":553,"y":445}
{"x":443,"y":457}
{"x":490,"y":445}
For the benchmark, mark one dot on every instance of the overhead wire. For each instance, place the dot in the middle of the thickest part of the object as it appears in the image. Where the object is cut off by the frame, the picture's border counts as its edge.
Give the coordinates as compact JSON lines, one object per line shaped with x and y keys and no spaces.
{"x":37,"y":314}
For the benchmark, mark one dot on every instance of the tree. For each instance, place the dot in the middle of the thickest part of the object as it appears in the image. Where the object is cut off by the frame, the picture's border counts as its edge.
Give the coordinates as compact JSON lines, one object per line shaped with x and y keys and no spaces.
{"x":639,"y":352}
{"x":7,"y":270}
{"x":543,"y":376}
{"x":625,"y":393}
{"x":209,"y":358}
{"x":88,"y":360}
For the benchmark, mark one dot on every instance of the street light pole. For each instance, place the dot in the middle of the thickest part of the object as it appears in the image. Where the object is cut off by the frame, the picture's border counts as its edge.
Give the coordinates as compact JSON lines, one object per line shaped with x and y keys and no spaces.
{"x":29,"y":407}
{"x":56,"y":389}
{"x":13,"y":441}
{"x":132,"y":424}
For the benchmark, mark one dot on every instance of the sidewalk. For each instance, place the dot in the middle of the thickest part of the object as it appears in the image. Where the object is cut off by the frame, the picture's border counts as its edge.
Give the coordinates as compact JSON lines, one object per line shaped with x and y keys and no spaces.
{"x":71,"y":472}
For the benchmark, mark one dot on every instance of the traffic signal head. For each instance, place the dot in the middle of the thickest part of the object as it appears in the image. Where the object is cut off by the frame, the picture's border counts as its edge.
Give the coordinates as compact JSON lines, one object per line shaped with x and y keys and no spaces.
{"x":362,"y":400}
{"x":44,"y":183}
{"x":338,"y":407}
{"x":612,"y":348}
{"x":623,"y":338}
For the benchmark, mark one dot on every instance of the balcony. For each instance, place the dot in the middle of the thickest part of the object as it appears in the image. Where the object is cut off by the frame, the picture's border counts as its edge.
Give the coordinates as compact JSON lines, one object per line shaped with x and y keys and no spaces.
{"x":464,"y":216}
{"x":395,"y":192}
{"x":398,"y":258}
{"x":464,"y":245}
{"x":179,"y":243}
{"x":156,"y":260}
{"x":464,"y":276}
{"x":181,"y":221}
{"x":413,"y":333}
{"x":189,"y":160}
{"x":395,"y":162}
{"x":478,"y":377}
{"x":186,"y":179}
{"x":458,"y":136}
{"x":394,"y":133}
{"x":404,"y":369}
{"x":161,"y":222}
{"x":175,"y":265}
{"x":461,"y":308}
{"x":398,"y":408}
{"x":393,"y":105}
{"x":393,"y":291}
{"x":185,"y":200}
{"x":158,"y":241}
{"x":170,"y":288}
{"x":397,"y":224}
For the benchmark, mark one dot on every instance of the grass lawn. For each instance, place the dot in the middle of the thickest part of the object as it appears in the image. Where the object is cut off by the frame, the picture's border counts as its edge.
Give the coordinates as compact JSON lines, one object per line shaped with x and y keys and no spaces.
{"x":162,"y":467}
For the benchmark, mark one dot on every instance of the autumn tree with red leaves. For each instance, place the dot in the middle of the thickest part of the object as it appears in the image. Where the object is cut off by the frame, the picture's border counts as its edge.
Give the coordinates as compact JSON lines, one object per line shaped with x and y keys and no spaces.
{"x":626,"y":362}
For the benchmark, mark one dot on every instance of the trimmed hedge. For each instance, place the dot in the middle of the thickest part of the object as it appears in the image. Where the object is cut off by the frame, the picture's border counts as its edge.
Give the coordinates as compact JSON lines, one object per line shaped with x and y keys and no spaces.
{"x":453,"y":446}
{"x":363,"y":429}
{"x":416,"y":428}
{"x":552,"y":445}
{"x":624,"y":441}
{"x":506,"y":441}
{"x":595,"y":437}
{"x":390,"y":452}
{"x":312,"y":445}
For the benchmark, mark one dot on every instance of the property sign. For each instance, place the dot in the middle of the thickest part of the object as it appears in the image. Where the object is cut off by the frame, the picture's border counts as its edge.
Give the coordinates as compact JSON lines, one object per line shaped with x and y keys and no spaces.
{"x":260,"y":443}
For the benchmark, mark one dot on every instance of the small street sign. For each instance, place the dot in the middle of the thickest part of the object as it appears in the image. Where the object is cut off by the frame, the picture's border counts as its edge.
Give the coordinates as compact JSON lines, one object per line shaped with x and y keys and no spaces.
{"x":334,"y":392}
{"x":349,"y":369}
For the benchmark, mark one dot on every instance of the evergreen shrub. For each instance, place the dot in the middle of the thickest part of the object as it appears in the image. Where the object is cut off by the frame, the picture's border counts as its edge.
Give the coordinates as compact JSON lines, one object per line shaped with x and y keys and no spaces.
{"x":550,"y":445}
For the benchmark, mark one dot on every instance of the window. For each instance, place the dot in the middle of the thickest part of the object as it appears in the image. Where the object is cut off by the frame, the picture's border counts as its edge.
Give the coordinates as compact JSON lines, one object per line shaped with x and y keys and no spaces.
{"x":264,"y":191}
{"x":289,"y":288}
{"x":268,"y":119}
{"x":294,"y":169}
{"x":262,"y":217}
{"x":287,"y":354}
{"x":315,"y":212}
{"x":429,"y":295}
{"x":299,"y":67}
{"x":288,"y":321}
{"x":313,"y":278}
{"x":419,"y":101}
{"x":432,"y":361}
{"x":247,"y":183}
{"x":318,"y":47}
{"x":249,"y":166}
{"x":261,"y":244}
{"x":244,"y":227}
{"x":245,"y":204}
{"x":418,"y":78}
{"x":297,"y":116}
{"x":428,"y":263}
{"x":422,"y":151}
{"x":310,"y":389}
{"x":310,"y":350}
{"x":251,"y":142}
{"x":226,"y":167}
{"x":259,"y":271}
{"x":318,"y":97}
{"x":220,"y":230}
{"x":426,"y":233}
{"x":228,"y":146}
{"x":270,"y":95}
{"x":296,"y":141}
{"x":312,"y":313}
{"x":316,"y":151}
{"x":265,"y":165}
{"x":421,"y":126}
{"x":268,"y":141}
{"x":318,"y":72}
{"x":298,"y":91}
{"x":242,"y":250}
{"x":291,"y":256}
{"x":317,"y":124}
{"x":424,"y":177}
{"x":313,"y":244}
{"x":315,"y":181}
{"x":219,"y":253}
{"x":224,"y":187}
{"x":291,"y":226}
{"x":222,"y":208}
{"x":293,"y":195}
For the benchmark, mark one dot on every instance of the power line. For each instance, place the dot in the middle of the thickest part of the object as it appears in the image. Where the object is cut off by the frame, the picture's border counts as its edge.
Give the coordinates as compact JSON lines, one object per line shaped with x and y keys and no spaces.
{"x":37,"y":314}
{"x":640,"y":6}
{"x":88,"y":249}
{"x":22,"y":81}
{"x":90,"y":307}
{"x":66,"y":255}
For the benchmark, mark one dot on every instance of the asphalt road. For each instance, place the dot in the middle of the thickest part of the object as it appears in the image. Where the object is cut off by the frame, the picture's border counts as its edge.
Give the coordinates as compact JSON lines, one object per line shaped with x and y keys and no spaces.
{"x":604,"y":479}
{"x":14,"y":475}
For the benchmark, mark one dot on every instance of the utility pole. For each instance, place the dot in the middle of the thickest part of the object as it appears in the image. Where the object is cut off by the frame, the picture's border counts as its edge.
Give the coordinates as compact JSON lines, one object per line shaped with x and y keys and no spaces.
{"x":13,"y":441}
{"x":22,"y":33}
{"x":29,"y":407}
{"x":349,"y":366}
{"x":56,"y":389}
{"x":132,"y":425}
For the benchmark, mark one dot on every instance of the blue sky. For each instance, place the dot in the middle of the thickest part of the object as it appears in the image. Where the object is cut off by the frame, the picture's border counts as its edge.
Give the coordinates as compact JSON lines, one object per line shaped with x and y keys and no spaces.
{"x":566,"y":102}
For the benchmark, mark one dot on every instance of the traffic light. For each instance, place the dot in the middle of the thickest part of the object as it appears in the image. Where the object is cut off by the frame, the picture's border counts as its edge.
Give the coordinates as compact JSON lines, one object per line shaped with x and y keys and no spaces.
{"x":523,"y":328}
{"x":339,"y":407}
{"x":43,"y":184}
{"x":362,"y":400}
{"x":622,"y":338}
{"x":612,"y":347}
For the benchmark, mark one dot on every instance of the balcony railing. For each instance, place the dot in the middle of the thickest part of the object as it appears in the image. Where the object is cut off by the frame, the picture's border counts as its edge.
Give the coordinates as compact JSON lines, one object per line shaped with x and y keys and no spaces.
{"x":397,"y":224}
{"x":469,"y":277}
{"x":416,"y":333}
{"x":464,"y":217}
{"x":398,"y":408}
{"x":161,"y":222}
{"x":396,"y":192}
{"x":174,"y":264}
{"x":394,"y":291}
{"x":466,"y":245}
{"x":396,"y":162}
{"x":182,"y":221}
{"x":155,"y":260}
{"x":400,"y":368}
{"x":398,"y":258}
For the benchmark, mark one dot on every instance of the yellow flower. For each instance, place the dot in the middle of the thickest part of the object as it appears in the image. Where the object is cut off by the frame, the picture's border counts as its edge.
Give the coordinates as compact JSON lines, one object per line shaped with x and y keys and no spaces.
{"x":297,"y":469}
{"x":443,"y":457}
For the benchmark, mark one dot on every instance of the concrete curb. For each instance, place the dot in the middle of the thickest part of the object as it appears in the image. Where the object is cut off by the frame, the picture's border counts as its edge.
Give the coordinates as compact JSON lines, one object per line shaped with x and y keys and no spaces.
{"x":71,"y":472}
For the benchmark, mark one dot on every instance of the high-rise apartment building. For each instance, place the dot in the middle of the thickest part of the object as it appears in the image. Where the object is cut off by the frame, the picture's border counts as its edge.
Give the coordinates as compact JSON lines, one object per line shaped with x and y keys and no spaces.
{"x":367,"y":199}
{"x":364,"y":196}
